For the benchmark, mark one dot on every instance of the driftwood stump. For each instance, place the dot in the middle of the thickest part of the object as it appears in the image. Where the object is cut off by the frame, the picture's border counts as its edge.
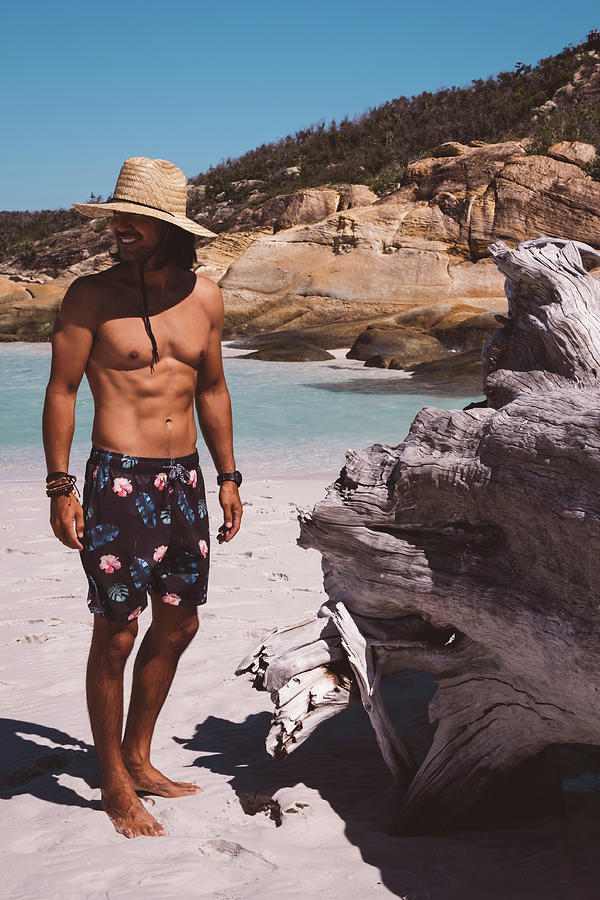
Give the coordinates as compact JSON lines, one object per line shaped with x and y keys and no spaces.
{"x":471,"y":550}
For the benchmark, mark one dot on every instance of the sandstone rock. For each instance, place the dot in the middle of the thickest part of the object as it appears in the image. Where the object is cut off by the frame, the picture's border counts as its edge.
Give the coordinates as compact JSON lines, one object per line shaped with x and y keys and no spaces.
{"x":290,"y":351}
{"x":584,"y":87}
{"x":196,"y":193}
{"x":302,"y":207}
{"x":448,"y":314}
{"x":369,"y":261}
{"x":473,"y":169}
{"x":378,"y":362}
{"x":215,"y":258}
{"x":573,"y":152}
{"x":468,"y":333}
{"x":334,"y":335}
{"x":351,"y":195}
{"x":76,"y":251}
{"x":405,"y":346}
{"x":456,"y":375}
{"x":28,"y":311}
{"x":533,"y":196}
{"x":450,"y":148}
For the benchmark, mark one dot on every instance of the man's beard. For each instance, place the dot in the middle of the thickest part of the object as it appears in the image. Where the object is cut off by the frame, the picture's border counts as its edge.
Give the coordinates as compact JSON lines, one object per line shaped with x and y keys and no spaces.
{"x":141,"y":255}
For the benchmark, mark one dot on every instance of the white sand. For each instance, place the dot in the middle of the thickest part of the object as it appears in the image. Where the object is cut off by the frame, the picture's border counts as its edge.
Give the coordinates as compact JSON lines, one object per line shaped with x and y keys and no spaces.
{"x":334,"y":792}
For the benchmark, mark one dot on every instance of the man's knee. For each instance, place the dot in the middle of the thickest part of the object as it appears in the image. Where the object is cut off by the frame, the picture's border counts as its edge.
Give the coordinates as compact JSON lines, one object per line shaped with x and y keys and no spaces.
{"x":180,"y":635}
{"x":113,"y":642}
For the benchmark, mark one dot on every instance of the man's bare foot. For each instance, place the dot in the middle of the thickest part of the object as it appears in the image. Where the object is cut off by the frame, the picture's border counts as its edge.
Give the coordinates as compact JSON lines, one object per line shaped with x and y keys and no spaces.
{"x":127,"y":813}
{"x":147,"y":778}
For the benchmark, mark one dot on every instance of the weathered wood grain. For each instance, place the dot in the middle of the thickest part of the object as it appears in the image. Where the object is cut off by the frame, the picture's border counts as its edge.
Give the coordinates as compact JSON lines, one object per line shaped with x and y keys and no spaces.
{"x":470,"y":550}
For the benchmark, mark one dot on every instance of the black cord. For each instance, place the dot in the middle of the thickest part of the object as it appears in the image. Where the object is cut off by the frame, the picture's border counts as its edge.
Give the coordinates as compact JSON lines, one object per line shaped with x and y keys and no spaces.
{"x":146,"y":319}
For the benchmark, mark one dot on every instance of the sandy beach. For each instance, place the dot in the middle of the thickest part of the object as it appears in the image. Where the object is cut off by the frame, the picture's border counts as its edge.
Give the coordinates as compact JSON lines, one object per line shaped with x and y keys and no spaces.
{"x":322,"y":819}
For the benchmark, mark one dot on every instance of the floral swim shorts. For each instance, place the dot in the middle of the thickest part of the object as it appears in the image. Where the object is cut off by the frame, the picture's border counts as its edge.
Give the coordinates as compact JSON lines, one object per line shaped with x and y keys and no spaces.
{"x":146,"y":531}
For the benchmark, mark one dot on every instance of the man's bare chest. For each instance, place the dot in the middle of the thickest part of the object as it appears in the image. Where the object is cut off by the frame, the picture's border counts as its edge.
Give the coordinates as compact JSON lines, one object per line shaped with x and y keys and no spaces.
{"x":181,"y":333}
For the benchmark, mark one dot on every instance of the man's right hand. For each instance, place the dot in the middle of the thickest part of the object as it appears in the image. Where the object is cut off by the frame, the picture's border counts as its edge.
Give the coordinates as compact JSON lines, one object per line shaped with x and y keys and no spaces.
{"x":66,"y":519}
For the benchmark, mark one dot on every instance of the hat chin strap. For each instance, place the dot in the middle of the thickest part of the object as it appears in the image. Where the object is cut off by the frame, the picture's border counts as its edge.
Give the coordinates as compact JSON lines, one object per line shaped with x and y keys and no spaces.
{"x":146,"y":319}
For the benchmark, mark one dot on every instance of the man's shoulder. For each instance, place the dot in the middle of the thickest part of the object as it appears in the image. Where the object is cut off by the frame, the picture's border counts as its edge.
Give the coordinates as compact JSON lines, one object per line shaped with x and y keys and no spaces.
{"x":207,"y":287}
{"x":89,"y":286}
{"x":209,"y":295}
{"x":85,"y":296}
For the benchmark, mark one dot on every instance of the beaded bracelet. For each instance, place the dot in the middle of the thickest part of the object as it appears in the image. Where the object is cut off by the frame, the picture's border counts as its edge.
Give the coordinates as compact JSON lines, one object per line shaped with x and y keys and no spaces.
{"x":60,"y":484}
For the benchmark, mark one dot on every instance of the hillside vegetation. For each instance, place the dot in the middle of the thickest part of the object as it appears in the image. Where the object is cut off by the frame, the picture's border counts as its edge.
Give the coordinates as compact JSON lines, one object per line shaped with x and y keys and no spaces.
{"x":373,"y":148}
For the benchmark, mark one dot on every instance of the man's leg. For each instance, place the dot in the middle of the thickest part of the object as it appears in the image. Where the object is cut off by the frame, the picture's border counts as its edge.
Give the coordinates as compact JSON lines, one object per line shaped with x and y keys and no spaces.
{"x":172,"y":629}
{"x":112,"y":643}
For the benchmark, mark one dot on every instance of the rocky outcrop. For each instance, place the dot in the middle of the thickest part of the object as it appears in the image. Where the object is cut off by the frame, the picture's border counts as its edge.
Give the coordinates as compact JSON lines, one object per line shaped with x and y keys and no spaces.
{"x":290,"y":351}
{"x":402,"y":346}
{"x":536,"y":196}
{"x":28,"y":310}
{"x":332,"y":261}
{"x":425,"y":243}
{"x":78,"y":251}
{"x":215,"y":257}
{"x":351,"y":195}
{"x":256,"y":210}
{"x":300,"y":208}
{"x":462,"y":174}
{"x":457,"y":375}
{"x":573,"y":152}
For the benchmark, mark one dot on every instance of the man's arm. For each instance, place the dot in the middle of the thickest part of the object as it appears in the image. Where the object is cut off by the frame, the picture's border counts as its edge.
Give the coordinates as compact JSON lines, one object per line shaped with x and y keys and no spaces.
{"x":214,"y":414}
{"x":72,"y":340}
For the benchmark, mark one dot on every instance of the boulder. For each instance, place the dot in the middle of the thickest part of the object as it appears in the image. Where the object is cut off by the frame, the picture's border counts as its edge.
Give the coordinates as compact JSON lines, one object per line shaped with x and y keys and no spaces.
{"x":78,"y":251}
{"x":378,"y":346}
{"x":536,"y":195}
{"x":215,"y":257}
{"x":300,"y":208}
{"x":335,"y":335}
{"x":450,"y":148}
{"x":366,"y":262}
{"x":468,"y":171}
{"x":27,"y":310}
{"x":447,"y":314}
{"x":457,"y":375}
{"x":468,"y":333}
{"x":573,"y":152}
{"x":290,"y":351}
{"x":352,"y":195}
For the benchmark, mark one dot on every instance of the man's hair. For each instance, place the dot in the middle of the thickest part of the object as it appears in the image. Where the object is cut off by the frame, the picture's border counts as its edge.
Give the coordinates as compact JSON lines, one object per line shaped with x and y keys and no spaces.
{"x":177,"y":246}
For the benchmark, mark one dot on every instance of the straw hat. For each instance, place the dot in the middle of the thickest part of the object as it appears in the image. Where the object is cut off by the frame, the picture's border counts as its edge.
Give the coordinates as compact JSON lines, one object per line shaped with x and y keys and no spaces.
{"x":149,"y":187}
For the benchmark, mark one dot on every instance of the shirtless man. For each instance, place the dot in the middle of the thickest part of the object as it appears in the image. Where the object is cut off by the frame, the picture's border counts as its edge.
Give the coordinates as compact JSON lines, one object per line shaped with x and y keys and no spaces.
{"x":147,"y":334}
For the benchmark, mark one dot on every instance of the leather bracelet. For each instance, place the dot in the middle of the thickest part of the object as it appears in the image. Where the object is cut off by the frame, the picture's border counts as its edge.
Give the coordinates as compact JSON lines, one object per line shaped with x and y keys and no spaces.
{"x":236,"y":477}
{"x":60,"y":484}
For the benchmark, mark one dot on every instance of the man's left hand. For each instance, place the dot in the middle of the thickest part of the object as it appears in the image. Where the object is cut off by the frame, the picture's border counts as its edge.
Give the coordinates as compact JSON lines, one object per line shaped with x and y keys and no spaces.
{"x":229,"y":498}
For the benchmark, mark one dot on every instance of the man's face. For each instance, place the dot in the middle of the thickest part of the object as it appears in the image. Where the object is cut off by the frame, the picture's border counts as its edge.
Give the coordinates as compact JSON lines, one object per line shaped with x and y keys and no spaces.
{"x":138,"y":237}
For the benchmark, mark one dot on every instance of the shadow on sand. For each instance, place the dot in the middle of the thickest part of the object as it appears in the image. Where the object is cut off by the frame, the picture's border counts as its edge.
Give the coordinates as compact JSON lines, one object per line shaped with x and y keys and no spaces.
{"x":29,"y":766}
{"x":535,"y":861}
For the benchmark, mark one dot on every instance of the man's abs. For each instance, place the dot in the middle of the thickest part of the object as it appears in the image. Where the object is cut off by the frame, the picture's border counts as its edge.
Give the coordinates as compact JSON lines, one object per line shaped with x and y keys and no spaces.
{"x":145,"y":415}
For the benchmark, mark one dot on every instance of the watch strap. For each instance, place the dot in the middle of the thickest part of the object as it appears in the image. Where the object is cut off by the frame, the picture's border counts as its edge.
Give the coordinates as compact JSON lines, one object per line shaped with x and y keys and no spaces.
{"x":236,"y":477}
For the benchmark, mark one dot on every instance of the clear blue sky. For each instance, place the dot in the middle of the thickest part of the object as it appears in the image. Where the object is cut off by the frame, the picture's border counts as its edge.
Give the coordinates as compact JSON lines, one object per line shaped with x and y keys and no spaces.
{"x":85,"y":85}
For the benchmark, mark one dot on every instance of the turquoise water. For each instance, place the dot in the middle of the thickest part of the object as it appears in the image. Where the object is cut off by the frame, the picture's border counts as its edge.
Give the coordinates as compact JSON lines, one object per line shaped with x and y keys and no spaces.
{"x":289,"y":418}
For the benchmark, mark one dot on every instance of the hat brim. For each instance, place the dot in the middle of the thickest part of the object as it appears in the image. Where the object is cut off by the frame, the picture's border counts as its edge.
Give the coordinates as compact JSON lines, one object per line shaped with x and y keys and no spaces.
{"x":97,"y":210}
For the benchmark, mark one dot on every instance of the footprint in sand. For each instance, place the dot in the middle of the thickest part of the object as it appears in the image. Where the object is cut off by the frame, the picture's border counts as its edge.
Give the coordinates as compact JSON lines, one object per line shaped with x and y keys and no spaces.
{"x":232,"y":852}
{"x":35,"y":638}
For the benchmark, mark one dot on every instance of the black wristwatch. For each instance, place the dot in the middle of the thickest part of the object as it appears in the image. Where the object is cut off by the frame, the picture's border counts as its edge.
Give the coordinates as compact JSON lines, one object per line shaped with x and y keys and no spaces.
{"x":230,"y":476}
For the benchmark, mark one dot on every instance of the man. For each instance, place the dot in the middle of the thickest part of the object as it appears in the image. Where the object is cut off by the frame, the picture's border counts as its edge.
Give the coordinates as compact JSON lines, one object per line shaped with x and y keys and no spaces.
{"x":147,"y":334}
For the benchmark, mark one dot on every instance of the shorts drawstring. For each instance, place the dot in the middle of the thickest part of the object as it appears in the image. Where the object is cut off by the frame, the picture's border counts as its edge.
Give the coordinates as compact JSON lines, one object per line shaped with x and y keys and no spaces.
{"x":178,"y":472}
